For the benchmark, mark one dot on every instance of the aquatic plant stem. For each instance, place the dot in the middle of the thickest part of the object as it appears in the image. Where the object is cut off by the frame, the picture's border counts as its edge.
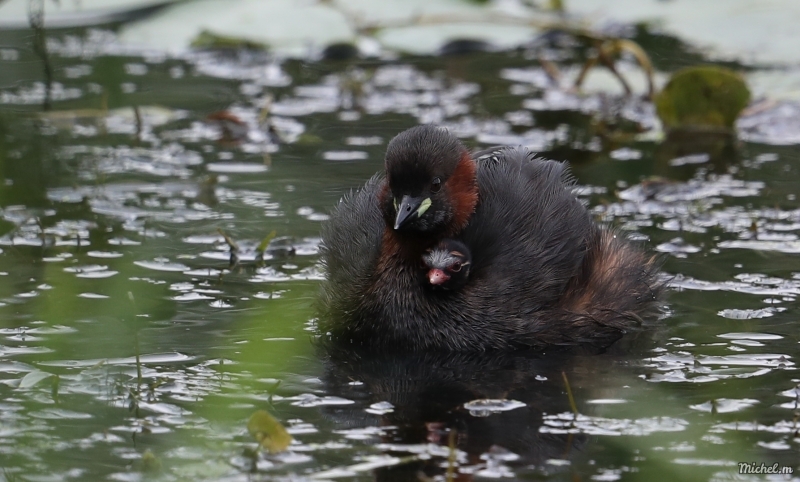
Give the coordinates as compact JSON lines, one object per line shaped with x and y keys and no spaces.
{"x":451,"y":456}
{"x":36,"y":21}
{"x":569,"y":394}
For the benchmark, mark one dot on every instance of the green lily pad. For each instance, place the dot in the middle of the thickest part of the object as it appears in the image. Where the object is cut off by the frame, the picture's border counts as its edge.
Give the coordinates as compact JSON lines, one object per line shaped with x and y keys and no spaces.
{"x":269,"y":432}
{"x":702,"y":97}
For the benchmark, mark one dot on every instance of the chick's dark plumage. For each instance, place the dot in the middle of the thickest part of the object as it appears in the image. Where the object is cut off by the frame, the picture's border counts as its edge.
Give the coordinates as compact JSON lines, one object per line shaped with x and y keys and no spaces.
{"x":541,"y":271}
{"x":447,"y":265}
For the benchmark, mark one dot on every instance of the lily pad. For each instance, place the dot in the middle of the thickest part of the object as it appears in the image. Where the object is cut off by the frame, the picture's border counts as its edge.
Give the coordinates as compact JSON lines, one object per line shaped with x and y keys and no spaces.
{"x":746,"y":30}
{"x":702,"y":97}
{"x":61,"y":14}
{"x":269,"y":432}
{"x":290,"y":27}
{"x":298,"y":28}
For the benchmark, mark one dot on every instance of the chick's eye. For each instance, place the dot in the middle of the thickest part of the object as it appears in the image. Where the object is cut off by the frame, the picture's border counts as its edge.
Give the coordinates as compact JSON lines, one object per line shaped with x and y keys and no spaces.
{"x":436,"y":184}
{"x":456,"y":267}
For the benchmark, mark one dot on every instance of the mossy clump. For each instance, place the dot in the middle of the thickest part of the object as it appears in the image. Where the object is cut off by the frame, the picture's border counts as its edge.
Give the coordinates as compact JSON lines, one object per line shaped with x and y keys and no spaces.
{"x":702,"y":97}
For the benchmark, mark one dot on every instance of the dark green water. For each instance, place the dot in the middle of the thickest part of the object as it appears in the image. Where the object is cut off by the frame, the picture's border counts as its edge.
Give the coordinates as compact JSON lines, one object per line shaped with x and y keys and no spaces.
{"x":125,"y":333}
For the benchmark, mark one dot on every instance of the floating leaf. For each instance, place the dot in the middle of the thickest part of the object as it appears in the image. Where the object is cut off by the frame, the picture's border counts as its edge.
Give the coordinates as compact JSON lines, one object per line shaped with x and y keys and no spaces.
{"x":33,"y":378}
{"x":705,"y":96}
{"x":306,"y":139}
{"x":150,"y":462}
{"x":269,"y":432}
{"x":262,"y":246}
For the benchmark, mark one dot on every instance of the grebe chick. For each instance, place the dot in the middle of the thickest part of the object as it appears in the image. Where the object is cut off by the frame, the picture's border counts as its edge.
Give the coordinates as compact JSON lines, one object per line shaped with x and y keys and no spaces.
{"x":447,"y":264}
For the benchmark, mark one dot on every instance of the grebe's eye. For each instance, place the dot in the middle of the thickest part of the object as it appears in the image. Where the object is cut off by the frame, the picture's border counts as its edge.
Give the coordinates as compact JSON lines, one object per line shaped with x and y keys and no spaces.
{"x":436,"y":185}
{"x":456,"y":267}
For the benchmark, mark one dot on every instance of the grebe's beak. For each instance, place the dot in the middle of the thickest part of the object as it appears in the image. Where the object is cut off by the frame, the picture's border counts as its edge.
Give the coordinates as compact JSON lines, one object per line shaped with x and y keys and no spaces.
{"x":408,"y":208}
{"x":437,"y":277}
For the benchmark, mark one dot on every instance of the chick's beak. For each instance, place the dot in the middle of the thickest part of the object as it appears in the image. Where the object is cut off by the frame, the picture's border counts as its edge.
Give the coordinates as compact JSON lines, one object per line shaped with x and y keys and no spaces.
{"x":437,"y":277}
{"x":409,"y":208}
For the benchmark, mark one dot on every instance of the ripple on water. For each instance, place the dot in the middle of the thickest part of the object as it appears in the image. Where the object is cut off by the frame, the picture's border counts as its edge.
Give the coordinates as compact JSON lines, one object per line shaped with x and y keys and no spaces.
{"x":236,"y":167}
{"x":311,"y":215}
{"x":123,"y":242}
{"x":93,"y":296}
{"x":23,"y":350}
{"x":750,"y":336}
{"x":191,"y":296}
{"x":380,"y":408}
{"x":747,"y":285}
{"x":364,"y":433}
{"x":269,"y":274}
{"x":204,"y":239}
{"x":735,"y":314}
{"x":345,"y":155}
{"x":310,"y":400}
{"x":682,"y":367}
{"x":91,"y":268}
{"x":780,"y":427}
{"x":678,"y":247}
{"x":771,"y":122}
{"x":724,"y":405}
{"x":570,"y":423}
{"x":370,"y":463}
{"x":364,"y":141}
{"x":485,"y":407}
{"x":495,"y":468}
{"x":155,"y":358}
{"x":104,"y":254}
{"x":272,"y":295}
{"x":309,"y":273}
{"x":60,"y":414}
{"x":788,"y":246}
{"x":607,"y":401}
{"x":97,"y":274}
{"x":27,"y":294}
{"x":162,"y":265}
{"x":51,"y":330}
{"x":431,"y":449}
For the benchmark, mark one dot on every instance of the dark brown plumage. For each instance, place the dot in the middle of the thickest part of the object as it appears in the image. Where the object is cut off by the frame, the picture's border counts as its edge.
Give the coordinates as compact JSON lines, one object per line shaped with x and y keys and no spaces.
{"x":542,"y":272}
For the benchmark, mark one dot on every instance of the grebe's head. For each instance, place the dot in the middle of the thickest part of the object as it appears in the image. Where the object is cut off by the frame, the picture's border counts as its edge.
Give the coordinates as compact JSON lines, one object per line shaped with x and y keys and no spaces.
{"x":432,"y":184}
